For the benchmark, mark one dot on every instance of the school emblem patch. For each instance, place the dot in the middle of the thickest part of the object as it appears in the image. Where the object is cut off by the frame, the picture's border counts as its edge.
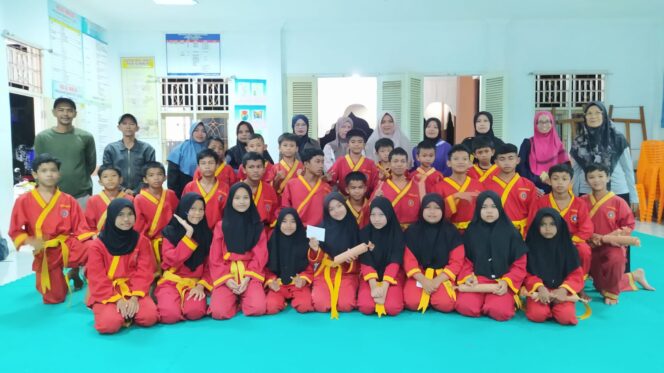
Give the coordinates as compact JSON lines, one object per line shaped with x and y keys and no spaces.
{"x":575,"y":218}
{"x":411,"y":203}
{"x":268,"y":206}
{"x":611,"y":215}
{"x":64,"y":213}
{"x":523,"y":196}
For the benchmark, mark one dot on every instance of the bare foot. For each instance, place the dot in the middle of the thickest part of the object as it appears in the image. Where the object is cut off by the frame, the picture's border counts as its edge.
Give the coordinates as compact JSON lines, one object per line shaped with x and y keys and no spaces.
{"x":584,"y":296}
{"x":610,"y":302}
{"x":74,"y":275}
{"x":640,"y":277}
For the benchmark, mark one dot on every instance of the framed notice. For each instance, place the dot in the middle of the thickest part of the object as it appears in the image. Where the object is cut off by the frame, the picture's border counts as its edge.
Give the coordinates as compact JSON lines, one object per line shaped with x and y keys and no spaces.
{"x":193,"y":54}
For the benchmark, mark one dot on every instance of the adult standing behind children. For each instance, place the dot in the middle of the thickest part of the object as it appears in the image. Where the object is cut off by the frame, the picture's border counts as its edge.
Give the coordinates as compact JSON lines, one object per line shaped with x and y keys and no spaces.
{"x":129,"y":155}
{"x":74,"y":147}
{"x":182,"y":161}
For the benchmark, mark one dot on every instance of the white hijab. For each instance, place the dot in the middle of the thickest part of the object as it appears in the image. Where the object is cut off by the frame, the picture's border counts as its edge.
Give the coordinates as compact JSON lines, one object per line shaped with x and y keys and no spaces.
{"x":398,"y":137}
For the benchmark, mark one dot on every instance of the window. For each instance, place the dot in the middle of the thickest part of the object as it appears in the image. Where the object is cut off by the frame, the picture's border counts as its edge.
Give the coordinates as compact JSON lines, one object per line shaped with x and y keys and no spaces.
{"x":23,"y":67}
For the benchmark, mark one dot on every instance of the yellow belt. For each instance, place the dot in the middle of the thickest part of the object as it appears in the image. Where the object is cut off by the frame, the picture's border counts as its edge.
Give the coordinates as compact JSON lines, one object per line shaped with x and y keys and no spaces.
{"x":425,"y":297}
{"x":237,"y":270}
{"x":121,"y":283}
{"x":380,"y":308}
{"x":182,"y":284}
{"x":520,"y":225}
{"x":156,"y":244}
{"x":45,"y":277}
{"x":327,"y":264}
{"x":462,"y":225}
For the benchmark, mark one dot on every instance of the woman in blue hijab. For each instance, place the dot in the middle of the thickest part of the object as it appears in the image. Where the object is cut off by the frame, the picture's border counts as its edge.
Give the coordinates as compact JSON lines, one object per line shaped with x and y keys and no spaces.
{"x":182,"y":161}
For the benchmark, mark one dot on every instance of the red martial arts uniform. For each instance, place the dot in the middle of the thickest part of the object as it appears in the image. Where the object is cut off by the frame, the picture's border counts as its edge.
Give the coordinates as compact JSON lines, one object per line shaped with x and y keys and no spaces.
{"x":268,"y":176}
{"x":406,"y":201}
{"x":152,"y":215}
{"x":290,"y":173}
{"x":578,"y":221}
{"x":362,"y":216}
{"x":60,"y":223}
{"x":563,"y":312}
{"x":111,"y":278}
{"x":95,"y":209}
{"x":176,"y":282}
{"x":215,"y":199}
{"x":458,"y":211}
{"x":477,"y":173}
{"x":394,"y":298}
{"x":306,"y":199}
{"x":335,"y":286}
{"x":432,"y":177}
{"x":517,"y":196}
{"x":608,"y":262}
{"x":267,"y":203}
{"x":300,"y":298}
{"x":223,"y":173}
{"x":225,"y":265}
{"x":344,"y":165}
{"x":442,"y":299}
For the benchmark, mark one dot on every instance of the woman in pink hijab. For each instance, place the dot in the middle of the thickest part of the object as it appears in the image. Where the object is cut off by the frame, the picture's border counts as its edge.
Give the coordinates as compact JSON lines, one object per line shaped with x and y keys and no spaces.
{"x":541,"y":152}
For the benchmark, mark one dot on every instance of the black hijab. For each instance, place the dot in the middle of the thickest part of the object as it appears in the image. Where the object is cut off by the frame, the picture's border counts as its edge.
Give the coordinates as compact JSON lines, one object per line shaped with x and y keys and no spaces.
{"x":552,"y":260}
{"x":492,"y":247}
{"x":202,"y":235}
{"x":242,"y":230}
{"x":389,"y":241}
{"x":116,"y":240}
{"x":340,"y":235}
{"x":602,"y":145}
{"x":432,"y":243}
{"x":302,"y":140}
{"x":497,"y":143}
{"x":288,"y":254}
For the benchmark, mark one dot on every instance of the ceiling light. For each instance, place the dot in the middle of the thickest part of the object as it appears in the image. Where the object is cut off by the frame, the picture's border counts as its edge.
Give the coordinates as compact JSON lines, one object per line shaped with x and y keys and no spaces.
{"x":175,"y":2}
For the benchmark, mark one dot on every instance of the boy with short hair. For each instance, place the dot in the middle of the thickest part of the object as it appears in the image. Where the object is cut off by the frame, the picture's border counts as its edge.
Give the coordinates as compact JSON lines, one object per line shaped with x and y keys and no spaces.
{"x":307,"y":192}
{"x":110,"y":178}
{"x":383,"y":147}
{"x":208,"y":186}
{"x":357,"y":202}
{"x":53,"y":223}
{"x":459,"y":190}
{"x":353,"y":161}
{"x":154,"y":206}
{"x":224,"y":173}
{"x":257,"y":144}
{"x":516,"y":193}
{"x":265,"y":198}
{"x":483,"y":152}
{"x":611,"y":215}
{"x":426,"y":155}
{"x":289,"y":165}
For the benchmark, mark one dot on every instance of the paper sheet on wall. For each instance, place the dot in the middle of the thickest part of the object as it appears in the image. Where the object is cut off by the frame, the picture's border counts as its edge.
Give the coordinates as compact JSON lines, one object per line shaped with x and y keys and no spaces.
{"x":139,"y":94}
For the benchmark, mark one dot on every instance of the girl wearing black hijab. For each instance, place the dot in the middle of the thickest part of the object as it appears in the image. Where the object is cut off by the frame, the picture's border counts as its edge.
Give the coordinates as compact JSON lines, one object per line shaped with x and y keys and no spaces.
{"x":185,"y":249}
{"x":554,"y":269}
{"x":335,"y":285}
{"x":381,"y":290}
{"x":288,"y":273}
{"x":495,"y":254}
{"x":120,"y":270}
{"x":300,"y":126}
{"x":237,"y":258}
{"x":483,"y":125}
{"x":234,"y":155}
{"x":433,"y":258}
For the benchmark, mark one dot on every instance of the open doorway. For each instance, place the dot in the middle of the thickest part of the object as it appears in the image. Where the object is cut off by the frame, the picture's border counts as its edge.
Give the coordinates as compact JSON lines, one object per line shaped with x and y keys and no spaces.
{"x":22,"y":110}
{"x":454,"y":100}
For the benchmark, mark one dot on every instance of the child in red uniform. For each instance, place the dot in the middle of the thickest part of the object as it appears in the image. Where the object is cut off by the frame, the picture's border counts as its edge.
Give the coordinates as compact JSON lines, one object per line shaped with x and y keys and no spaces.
{"x":52,"y":223}
{"x":433,"y":258}
{"x":554,"y":269}
{"x":237,"y":258}
{"x":610,"y":215}
{"x":335,"y":285}
{"x":495,"y":254}
{"x":154,"y":206}
{"x":573,"y":210}
{"x":208,"y":186}
{"x":288,"y":273}
{"x":516,"y":193}
{"x":357,"y":202}
{"x":256,"y":144}
{"x":264,"y":196}
{"x":288,"y":167}
{"x":110,"y":178}
{"x":353,"y":161}
{"x":404,"y":194}
{"x":224,"y":173}
{"x":483,"y":152}
{"x":381,"y":288}
{"x":383,"y":149}
{"x":426,"y":154}
{"x":307,"y":192}
{"x":180,"y":292}
{"x":459,"y":190}
{"x":120,"y":269}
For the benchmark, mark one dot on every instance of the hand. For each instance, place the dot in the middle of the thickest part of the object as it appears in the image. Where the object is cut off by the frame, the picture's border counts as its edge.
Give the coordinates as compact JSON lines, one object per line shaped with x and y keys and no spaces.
{"x":438,"y":280}
{"x":128,"y":192}
{"x":35,"y":242}
{"x":558,"y":294}
{"x":274,"y":285}
{"x":542,"y":295}
{"x":468,"y":196}
{"x":197,"y":293}
{"x":370,"y":246}
{"x":428,"y":285}
{"x":279,"y":176}
{"x":383,"y":292}
{"x":122,"y":306}
{"x":635,"y":208}
{"x":189,"y":230}
{"x":382,"y":175}
{"x":329,"y":176}
{"x":243,"y":285}
{"x":234,"y":286}
{"x":595,"y":240}
{"x":299,"y":282}
{"x":502,"y":287}
{"x":314,"y":244}
{"x":132,"y":308}
{"x":373,"y":285}
{"x":379,"y":189}
{"x":539,"y":192}
{"x":471,"y":281}
{"x":545,"y":178}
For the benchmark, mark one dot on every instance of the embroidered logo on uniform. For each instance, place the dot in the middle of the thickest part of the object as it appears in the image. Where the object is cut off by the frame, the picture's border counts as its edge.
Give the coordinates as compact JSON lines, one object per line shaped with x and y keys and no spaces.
{"x":411,"y":203}
{"x":523,"y":196}
{"x":64,"y":213}
{"x":268,"y":206}
{"x":611,"y":214}
{"x":575,"y":218}
{"x":221,"y":198}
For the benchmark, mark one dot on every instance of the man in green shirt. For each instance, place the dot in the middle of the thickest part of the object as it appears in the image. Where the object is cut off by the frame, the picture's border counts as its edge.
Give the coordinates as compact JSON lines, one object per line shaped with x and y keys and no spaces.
{"x":74,"y":147}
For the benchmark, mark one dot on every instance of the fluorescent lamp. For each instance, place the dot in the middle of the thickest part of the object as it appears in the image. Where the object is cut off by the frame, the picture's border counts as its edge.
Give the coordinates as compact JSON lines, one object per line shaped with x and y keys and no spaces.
{"x":175,"y":2}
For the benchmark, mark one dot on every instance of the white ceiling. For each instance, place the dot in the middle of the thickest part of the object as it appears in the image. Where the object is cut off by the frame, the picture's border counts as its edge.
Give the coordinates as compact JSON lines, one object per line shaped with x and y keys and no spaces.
{"x":238,"y":14}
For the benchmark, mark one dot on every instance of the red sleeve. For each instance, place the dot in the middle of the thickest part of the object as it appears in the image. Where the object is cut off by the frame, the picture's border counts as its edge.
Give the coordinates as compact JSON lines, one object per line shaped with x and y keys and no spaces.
{"x":455,"y":262}
{"x":81,"y":229}
{"x":625,"y":216}
{"x":175,"y":256}
{"x":372,"y":179}
{"x":315,"y":256}
{"x":206,"y":279}
{"x":269,"y":276}
{"x":516,"y":274}
{"x":532,"y":283}
{"x":257,"y":263}
{"x":173,"y":200}
{"x":219,"y":268}
{"x":308,"y":273}
{"x":143,"y":276}
{"x":276,"y":207}
{"x":334,"y":172}
{"x":586,"y":226}
{"x":100,"y":287}
{"x":141,"y":224}
{"x":574,"y":281}
{"x":269,"y":173}
{"x":18,"y":221}
{"x":368,"y":272}
{"x":410,"y":263}
{"x":240,"y":173}
{"x":390,"y":274}
{"x":287,"y":195}
{"x":91,"y":213}
{"x":230,"y":175}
